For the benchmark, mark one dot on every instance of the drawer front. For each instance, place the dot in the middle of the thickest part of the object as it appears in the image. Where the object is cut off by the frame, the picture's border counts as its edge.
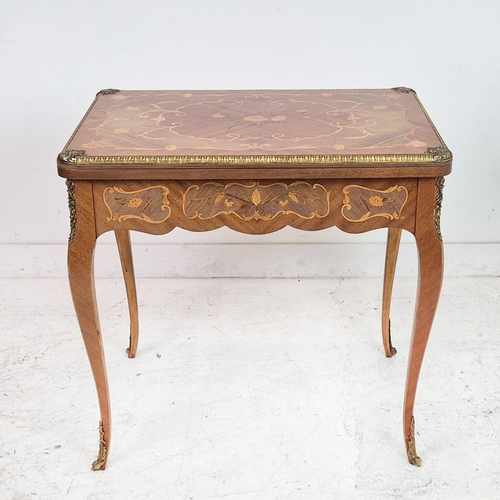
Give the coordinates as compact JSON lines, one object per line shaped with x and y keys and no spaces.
{"x":255,"y":207}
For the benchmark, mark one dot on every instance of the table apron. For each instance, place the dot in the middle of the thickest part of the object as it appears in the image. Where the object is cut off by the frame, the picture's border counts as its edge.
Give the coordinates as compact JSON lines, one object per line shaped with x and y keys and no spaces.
{"x":253,"y":206}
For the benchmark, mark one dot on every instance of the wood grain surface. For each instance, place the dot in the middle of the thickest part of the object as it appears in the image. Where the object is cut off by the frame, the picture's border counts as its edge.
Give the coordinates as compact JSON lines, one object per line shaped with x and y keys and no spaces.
{"x":230,"y":134}
{"x":255,"y":162}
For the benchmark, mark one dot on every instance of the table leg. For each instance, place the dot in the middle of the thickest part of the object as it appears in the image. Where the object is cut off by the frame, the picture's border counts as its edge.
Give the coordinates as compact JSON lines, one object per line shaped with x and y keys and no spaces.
{"x":81,"y":279}
{"x":125,"y":250}
{"x":430,"y":278}
{"x":391,"y":257}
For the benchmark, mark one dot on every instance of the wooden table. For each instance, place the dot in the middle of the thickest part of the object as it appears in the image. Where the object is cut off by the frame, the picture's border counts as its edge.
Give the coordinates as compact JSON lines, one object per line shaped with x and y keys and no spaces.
{"x":255,"y":161}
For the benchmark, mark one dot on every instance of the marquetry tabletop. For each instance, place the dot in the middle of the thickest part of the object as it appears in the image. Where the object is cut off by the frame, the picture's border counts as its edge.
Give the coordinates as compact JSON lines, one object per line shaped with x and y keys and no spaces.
{"x":184,"y":133}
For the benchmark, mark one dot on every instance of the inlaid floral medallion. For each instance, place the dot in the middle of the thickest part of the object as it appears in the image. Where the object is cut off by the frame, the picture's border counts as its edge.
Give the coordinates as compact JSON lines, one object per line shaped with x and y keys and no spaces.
{"x":256,"y":201}
{"x":273,"y":126}
{"x":362,"y":203}
{"x":150,"y":204}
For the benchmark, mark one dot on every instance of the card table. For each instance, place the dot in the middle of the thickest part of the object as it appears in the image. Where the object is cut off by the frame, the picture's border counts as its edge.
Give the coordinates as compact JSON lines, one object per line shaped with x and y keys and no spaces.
{"x":255,"y":161}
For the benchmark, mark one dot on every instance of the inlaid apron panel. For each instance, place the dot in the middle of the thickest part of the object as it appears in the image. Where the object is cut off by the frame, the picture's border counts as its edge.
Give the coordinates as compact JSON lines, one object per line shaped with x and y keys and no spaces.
{"x":255,"y":207}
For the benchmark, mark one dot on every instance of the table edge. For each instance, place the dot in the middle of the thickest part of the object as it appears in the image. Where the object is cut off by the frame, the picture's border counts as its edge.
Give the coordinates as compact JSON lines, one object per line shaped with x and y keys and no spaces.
{"x":434,"y":162}
{"x":195,"y":172}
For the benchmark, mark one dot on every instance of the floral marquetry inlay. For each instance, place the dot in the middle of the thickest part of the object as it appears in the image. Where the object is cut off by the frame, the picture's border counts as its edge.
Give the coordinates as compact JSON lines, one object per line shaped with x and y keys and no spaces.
{"x":269,"y":126}
{"x":150,"y":204}
{"x":256,"y":201}
{"x":361,"y":203}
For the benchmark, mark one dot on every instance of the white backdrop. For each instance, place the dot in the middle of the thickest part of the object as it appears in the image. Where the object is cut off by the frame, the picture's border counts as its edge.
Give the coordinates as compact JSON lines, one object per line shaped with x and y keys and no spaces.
{"x":56,"y":54}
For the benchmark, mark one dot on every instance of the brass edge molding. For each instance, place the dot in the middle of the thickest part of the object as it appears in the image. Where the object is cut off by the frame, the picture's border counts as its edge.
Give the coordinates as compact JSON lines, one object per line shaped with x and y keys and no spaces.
{"x":440,"y":153}
{"x":102,"y":456}
{"x":255,"y":160}
{"x":438,"y":201}
{"x":107,"y":92}
{"x":61,"y":156}
{"x":443,"y":145}
{"x":70,"y":155}
{"x":403,"y":90}
{"x":70,"y":140}
{"x":412,"y":450}
{"x":72,"y":209}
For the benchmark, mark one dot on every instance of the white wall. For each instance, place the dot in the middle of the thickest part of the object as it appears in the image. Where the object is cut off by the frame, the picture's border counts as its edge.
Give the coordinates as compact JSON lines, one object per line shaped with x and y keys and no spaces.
{"x":56,"y":54}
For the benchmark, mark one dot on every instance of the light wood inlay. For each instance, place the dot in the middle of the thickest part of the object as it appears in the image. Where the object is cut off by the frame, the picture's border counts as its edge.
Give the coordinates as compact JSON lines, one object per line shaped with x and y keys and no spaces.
{"x":308,"y":133}
{"x":150,"y":204}
{"x":256,"y":201}
{"x":361,"y":203}
{"x":242,"y":122}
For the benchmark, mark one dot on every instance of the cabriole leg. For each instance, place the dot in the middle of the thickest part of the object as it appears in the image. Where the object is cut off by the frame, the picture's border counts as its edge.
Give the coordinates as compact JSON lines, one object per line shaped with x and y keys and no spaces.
{"x":430,"y":278}
{"x":125,"y":250}
{"x":81,"y":280}
{"x":391,"y":257}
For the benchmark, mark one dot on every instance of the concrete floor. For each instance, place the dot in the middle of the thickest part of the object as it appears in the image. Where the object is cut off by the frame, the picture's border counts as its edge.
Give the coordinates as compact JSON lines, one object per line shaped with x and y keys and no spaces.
{"x":250,"y":389}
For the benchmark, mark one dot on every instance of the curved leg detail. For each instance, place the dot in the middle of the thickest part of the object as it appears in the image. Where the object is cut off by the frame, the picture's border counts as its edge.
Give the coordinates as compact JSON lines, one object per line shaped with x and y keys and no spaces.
{"x":391,"y":257}
{"x":411,"y":447}
{"x":430,"y":252}
{"x":102,"y":456}
{"x":125,"y":250}
{"x":81,"y":280}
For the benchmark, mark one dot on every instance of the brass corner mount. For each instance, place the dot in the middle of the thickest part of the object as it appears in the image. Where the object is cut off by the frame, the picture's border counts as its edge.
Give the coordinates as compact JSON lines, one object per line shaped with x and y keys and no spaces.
{"x":440,"y":153}
{"x":403,"y":90}
{"x":107,"y":92}
{"x":70,"y":155}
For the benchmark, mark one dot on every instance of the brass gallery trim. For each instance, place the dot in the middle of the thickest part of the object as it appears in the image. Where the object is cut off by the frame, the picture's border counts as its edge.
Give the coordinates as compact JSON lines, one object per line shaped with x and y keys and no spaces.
{"x":72,"y":209}
{"x":443,"y":147}
{"x":102,"y":456}
{"x":438,"y":201}
{"x":412,"y":450}
{"x":428,"y":157}
{"x":441,"y":153}
{"x":107,"y":92}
